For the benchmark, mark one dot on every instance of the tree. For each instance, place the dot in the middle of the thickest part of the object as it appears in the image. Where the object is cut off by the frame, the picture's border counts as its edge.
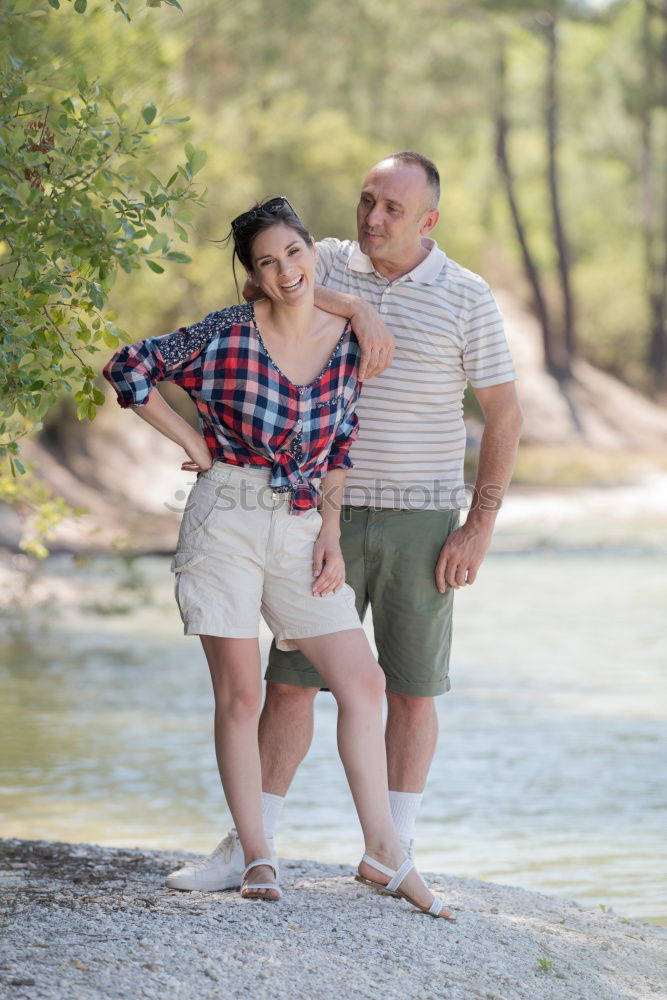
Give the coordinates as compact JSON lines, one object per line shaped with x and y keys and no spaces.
{"x":557,"y":321}
{"x":651,"y":104}
{"x":77,"y":204}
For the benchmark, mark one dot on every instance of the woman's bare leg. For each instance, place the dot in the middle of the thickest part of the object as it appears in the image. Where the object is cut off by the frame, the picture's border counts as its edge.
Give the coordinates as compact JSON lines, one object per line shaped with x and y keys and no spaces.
{"x":346,"y":662}
{"x":237,"y":686}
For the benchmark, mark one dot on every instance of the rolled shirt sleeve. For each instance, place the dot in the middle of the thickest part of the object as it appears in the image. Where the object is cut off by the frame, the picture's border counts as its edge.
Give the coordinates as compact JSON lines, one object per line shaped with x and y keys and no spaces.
{"x":345,"y":434}
{"x":135,"y":369}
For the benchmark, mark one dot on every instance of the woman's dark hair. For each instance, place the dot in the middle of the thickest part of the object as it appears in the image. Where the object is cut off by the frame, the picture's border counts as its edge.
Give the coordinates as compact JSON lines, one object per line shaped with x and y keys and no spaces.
{"x":262,"y":216}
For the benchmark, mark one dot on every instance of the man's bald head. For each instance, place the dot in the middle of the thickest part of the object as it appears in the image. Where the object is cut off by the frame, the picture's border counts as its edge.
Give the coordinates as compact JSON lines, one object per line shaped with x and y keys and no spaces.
{"x":429,"y":168}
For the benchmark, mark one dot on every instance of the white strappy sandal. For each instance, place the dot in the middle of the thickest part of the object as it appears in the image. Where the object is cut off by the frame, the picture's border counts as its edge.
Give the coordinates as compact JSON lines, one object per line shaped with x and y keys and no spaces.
{"x":392,"y":888}
{"x":247,"y":888}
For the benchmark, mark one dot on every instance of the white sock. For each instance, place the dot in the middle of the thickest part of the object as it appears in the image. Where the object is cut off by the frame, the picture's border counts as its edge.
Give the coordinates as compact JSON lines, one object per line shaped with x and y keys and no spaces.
{"x":271,"y":808}
{"x":404,"y":808}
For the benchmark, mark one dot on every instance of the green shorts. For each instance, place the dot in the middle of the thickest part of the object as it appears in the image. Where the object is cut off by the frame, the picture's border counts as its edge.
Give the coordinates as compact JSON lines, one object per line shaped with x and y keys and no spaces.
{"x":390,"y":558}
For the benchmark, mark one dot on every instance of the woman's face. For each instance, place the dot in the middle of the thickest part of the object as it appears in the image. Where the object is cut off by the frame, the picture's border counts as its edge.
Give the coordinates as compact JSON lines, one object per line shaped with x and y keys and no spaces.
{"x":283,"y":264}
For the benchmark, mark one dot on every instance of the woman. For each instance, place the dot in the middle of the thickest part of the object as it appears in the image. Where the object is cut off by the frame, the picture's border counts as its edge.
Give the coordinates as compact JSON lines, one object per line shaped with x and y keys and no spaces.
{"x":275,"y":384}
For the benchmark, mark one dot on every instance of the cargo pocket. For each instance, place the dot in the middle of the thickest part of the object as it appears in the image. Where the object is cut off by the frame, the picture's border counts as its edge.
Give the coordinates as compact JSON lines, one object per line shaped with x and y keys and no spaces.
{"x":185,"y":560}
{"x":180,"y":565}
{"x":202,"y":501}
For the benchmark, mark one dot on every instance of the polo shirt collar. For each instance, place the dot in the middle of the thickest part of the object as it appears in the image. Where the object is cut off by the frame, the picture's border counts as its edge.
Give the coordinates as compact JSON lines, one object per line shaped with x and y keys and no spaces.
{"x":424,"y":273}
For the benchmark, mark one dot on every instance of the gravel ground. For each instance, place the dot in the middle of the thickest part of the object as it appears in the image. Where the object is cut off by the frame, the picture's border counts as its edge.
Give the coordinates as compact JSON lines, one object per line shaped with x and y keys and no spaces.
{"x":85,"y":922}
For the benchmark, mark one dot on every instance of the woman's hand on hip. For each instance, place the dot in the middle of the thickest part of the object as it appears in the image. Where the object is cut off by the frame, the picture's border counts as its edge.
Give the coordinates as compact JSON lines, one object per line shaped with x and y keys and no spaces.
{"x":328,"y":565}
{"x":199,"y":454}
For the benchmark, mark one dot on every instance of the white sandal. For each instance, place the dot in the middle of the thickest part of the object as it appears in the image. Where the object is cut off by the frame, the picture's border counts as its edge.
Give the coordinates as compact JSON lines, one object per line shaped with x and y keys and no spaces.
{"x":246,"y":888}
{"x":392,"y":888}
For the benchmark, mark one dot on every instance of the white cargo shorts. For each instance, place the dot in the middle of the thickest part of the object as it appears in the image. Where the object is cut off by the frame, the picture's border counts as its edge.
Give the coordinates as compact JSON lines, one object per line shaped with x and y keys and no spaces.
{"x":241,"y":554}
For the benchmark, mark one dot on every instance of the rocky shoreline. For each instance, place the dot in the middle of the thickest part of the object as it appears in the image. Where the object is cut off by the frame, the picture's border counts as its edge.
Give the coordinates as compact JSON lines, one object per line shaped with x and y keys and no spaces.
{"x":94,"y":922}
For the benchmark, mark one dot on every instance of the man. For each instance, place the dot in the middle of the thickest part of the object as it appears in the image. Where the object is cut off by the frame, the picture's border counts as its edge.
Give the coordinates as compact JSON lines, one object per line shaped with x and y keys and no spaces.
{"x":404,"y":552}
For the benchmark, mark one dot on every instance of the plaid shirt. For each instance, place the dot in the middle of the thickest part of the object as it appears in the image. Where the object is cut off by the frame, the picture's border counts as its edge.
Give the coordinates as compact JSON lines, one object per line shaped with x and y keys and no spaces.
{"x":249,"y":412}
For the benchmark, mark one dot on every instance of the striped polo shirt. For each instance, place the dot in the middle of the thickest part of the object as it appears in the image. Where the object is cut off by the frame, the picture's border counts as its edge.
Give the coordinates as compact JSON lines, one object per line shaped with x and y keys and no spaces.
{"x":448,"y":328}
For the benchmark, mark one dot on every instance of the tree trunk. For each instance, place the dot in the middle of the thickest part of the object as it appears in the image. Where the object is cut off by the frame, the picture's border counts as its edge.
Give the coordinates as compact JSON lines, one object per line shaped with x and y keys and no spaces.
{"x":529,"y":265}
{"x":655,"y":235}
{"x":560,"y":241}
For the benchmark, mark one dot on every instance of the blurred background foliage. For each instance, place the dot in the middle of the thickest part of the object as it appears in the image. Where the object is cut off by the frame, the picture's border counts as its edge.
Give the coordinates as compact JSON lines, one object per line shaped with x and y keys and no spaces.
{"x":301,"y":96}
{"x":559,"y":106}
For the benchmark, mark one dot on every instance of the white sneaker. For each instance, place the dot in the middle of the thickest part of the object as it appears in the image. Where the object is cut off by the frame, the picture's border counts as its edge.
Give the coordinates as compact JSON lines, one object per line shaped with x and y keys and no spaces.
{"x":222,"y":869}
{"x":408,"y":846}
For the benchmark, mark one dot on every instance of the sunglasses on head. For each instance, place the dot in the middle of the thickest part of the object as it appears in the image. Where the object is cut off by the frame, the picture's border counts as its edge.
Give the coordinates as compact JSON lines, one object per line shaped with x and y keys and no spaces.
{"x":273,"y":206}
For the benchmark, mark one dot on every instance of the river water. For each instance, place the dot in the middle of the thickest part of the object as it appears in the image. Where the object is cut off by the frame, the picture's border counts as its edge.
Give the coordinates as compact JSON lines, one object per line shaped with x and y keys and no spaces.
{"x":550,"y":770}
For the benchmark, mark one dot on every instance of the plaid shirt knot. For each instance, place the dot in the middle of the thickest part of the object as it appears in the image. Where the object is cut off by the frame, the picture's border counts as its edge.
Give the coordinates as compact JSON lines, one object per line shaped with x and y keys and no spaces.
{"x":286,"y":475}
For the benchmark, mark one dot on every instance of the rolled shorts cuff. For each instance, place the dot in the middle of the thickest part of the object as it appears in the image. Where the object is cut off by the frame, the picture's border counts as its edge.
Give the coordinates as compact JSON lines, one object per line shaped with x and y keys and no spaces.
{"x":417,"y":690}
{"x":285,"y":640}
{"x":295,"y":678}
{"x":218,"y":628}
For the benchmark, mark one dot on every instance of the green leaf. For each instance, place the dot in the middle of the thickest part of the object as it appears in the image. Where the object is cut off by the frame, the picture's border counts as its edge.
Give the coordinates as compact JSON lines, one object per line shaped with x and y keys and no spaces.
{"x":198,"y":160}
{"x":55,"y":4}
{"x":80,"y":6}
{"x":148,"y":113}
{"x":159,"y":242}
{"x":190,"y":150}
{"x":97,"y":295}
{"x":155,"y":267}
{"x":110,"y":339}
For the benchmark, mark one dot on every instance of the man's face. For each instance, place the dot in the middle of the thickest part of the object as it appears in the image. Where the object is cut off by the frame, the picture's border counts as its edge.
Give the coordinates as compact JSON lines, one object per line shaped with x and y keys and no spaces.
{"x":394,"y":212}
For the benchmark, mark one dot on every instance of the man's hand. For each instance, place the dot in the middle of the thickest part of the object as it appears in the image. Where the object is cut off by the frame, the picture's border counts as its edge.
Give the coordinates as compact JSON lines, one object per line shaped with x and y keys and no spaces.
{"x":375,"y":340}
{"x":462,"y":555}
{"x":463,"y":552}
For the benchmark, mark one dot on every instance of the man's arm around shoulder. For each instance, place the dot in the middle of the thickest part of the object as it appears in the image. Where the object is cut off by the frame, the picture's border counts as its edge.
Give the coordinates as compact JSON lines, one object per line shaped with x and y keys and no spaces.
{"x":375,"y":338}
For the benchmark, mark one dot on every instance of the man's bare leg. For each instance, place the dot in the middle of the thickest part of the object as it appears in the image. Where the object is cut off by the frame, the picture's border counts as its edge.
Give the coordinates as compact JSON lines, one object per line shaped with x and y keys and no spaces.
{"x":411,"y":735}
{"x":285,"y":734}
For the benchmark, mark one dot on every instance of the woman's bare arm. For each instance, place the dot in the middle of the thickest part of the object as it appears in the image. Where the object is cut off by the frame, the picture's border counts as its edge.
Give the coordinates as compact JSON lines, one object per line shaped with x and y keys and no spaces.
{"x":157,"y":412}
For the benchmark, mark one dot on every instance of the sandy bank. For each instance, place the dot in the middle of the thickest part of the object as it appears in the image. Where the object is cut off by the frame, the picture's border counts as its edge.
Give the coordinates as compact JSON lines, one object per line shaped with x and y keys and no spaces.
{"x":90,"y":922}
